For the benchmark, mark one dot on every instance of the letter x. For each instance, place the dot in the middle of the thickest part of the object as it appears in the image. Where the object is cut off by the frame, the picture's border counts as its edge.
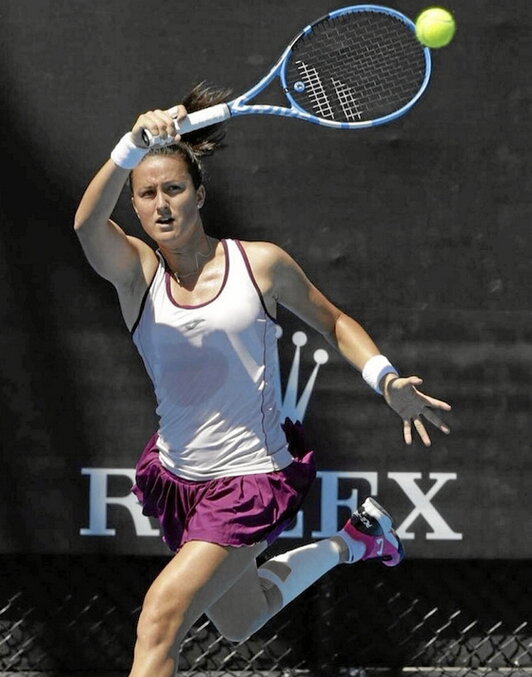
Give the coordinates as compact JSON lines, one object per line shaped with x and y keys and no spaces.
{"x":423,"y":506}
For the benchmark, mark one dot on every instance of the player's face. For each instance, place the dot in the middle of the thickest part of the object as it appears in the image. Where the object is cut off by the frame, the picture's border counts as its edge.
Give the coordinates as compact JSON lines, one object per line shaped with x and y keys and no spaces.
{"x":165,"y":199}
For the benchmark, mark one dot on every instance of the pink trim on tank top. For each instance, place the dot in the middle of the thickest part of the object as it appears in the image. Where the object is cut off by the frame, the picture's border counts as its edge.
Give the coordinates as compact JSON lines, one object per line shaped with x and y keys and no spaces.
{"x":168,"y":283}
{"x":143,"y":303}
{"x":253,"y":280}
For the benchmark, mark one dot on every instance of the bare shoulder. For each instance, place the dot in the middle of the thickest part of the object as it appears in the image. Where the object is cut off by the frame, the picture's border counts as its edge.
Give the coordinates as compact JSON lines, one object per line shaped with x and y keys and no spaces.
{"x":277,"y":274}
{"x":264,"y":255}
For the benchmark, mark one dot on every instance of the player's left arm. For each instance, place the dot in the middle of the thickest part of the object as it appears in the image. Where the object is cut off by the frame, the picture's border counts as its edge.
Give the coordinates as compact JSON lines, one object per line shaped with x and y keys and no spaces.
{"x":292,"y":289}
{"x":286,"y":283}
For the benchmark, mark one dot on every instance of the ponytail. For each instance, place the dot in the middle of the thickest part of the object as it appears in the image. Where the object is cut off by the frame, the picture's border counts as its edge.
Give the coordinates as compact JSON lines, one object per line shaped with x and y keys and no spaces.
{"x":206,"y":140}
{"x":201,"y":142}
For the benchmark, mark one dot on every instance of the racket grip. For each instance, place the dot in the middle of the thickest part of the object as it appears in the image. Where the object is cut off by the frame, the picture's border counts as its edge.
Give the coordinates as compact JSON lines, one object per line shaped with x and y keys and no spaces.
{"x":196,"y":120}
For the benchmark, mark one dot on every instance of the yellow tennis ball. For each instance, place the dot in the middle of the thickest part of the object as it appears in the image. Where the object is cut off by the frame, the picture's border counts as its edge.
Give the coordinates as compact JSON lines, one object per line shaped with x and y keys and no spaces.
{"x":435,"y":27}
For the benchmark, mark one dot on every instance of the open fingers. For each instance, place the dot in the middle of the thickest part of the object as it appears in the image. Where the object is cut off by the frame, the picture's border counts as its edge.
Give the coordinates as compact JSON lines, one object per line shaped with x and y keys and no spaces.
{"x":433,"y":402}
{"x":422,"y":432}
{"x":420,"y":428}
{"x":407,"y":431}
{"x":433,"y":418}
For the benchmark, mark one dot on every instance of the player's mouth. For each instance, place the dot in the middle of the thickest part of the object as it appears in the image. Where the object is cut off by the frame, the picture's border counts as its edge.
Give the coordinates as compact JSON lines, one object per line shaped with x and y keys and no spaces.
{"x":166,"y":221}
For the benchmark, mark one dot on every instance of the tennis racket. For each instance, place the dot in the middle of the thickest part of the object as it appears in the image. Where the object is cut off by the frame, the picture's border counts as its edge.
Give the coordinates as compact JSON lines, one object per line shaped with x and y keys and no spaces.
{"x":356,"y":67}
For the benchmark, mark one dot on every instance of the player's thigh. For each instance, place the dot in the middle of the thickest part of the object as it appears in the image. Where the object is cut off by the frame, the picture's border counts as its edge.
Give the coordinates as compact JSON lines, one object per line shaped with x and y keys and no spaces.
{"x":196,"y":577}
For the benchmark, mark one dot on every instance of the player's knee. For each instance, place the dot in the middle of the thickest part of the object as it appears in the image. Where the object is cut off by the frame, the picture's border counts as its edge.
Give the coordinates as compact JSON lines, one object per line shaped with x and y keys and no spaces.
{"x":234,"y":633}
{"x":236,"y":629}
{"x":160,"y":620}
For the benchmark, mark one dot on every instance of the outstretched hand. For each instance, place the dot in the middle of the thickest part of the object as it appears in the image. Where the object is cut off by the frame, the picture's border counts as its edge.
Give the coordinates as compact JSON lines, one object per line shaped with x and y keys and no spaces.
{"x":411,"y":405}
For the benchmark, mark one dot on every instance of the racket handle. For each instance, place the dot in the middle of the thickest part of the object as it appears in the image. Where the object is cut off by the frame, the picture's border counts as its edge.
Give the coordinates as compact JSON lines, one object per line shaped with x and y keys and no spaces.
{"x":196,"y":120}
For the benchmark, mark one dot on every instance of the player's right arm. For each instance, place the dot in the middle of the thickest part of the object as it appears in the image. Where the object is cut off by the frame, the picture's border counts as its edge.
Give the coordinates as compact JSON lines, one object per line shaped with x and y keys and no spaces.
{"x":112,"y":254}
{"x":119,"y":258}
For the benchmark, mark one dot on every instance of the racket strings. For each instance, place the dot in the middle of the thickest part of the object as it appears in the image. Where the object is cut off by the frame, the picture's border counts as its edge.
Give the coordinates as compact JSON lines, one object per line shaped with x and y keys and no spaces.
{"x":355,"y":67}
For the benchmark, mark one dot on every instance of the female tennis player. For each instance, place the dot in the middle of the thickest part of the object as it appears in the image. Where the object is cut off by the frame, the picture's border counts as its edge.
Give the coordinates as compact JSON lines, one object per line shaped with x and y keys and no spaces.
{"x":223,"y":474}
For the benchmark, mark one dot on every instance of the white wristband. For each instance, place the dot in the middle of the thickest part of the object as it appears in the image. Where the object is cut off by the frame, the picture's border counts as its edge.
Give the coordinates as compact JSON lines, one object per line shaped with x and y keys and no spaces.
{"x":374,"y":370}
{"x":125,"y":154}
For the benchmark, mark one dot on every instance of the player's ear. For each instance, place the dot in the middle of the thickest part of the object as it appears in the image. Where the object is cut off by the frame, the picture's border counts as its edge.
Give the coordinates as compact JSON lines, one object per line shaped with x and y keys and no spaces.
{"x":200,"y":196}
{"x":134,"y":207}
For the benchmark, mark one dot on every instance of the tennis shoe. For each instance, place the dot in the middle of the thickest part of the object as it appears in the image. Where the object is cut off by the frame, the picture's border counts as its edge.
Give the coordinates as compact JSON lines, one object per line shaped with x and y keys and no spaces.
{"x":373,"y":526}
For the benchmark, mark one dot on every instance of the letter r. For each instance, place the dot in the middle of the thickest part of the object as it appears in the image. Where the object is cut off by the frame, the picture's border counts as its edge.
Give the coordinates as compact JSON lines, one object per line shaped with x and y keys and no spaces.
{"x":98,"y":502}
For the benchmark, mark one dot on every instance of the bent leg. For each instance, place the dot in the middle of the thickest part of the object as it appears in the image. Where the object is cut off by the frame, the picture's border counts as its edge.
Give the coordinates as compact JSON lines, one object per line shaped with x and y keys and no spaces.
{"x":242,"y":609}
{"x":260,"y":593}
{"x":190,"y":583}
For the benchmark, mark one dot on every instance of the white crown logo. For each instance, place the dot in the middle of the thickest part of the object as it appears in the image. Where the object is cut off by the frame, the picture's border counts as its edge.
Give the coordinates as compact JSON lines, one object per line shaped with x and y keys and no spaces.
{"x":289,"y":404}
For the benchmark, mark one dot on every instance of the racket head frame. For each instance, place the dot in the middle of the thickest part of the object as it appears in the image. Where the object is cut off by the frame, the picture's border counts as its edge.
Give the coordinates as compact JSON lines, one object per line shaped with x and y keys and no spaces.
{"x":241,"y":104}
{"x":238,"y":106}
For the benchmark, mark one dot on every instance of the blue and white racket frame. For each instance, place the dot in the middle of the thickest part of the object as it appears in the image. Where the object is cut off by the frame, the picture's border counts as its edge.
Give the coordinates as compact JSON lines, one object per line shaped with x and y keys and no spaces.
{"x":239,"y":106}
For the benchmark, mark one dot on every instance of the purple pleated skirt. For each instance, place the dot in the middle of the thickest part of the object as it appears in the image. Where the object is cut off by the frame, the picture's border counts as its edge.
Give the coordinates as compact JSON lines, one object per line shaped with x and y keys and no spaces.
{"x":234,"y":511}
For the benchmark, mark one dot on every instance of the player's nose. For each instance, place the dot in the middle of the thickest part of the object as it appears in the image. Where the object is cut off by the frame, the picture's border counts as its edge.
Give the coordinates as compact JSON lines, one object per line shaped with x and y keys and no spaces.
{"x":161,"y":201}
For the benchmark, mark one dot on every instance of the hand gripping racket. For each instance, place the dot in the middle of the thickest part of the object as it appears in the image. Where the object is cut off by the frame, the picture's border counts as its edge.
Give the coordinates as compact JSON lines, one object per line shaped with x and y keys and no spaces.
{"x":356,"y":67}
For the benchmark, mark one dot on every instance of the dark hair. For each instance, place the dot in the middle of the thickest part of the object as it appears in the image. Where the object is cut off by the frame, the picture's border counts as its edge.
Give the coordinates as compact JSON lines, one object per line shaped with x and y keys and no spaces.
{"x":201,"y":142}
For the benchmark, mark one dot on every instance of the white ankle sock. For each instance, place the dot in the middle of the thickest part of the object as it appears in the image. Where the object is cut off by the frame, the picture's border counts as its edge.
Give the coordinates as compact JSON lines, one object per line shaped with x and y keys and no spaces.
{"x":356,"y":549}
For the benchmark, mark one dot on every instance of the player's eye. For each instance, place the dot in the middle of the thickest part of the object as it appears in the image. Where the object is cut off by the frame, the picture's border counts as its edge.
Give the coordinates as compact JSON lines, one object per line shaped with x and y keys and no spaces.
{"x":175,"y":188}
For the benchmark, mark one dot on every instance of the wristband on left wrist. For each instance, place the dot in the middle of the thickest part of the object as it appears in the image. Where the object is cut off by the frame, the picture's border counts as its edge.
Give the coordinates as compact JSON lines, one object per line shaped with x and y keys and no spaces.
{"x":375,"y":370}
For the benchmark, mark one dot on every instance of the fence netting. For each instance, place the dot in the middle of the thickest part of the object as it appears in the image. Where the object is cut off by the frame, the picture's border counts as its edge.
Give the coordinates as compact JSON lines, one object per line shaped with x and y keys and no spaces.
{"x":76,"y":615}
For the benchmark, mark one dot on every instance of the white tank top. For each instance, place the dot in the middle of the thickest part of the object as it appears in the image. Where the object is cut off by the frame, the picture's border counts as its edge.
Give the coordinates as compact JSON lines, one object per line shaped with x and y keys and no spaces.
{"x":214,"y":368}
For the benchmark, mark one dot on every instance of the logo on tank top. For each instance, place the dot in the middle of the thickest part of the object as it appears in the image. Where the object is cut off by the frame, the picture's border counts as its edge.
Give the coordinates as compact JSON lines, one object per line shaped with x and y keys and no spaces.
{"x":192,"y":324}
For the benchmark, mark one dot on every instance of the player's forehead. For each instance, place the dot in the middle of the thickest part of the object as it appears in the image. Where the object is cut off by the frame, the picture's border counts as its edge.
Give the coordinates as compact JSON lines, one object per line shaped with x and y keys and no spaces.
{"x":160,"y":169}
